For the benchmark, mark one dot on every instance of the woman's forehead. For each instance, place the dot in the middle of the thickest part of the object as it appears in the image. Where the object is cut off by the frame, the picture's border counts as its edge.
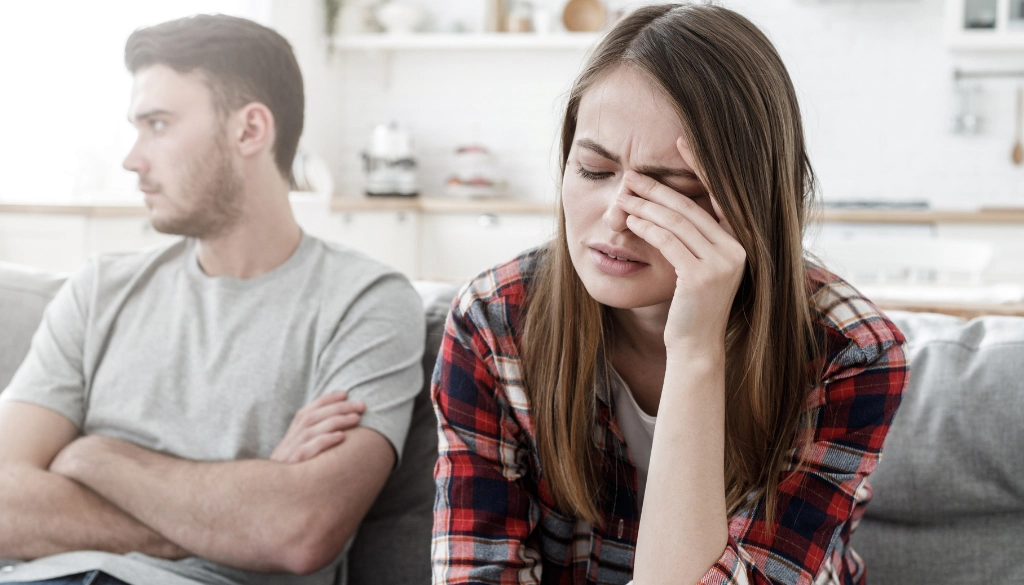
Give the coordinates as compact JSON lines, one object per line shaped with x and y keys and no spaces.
{"x":629,"y":116}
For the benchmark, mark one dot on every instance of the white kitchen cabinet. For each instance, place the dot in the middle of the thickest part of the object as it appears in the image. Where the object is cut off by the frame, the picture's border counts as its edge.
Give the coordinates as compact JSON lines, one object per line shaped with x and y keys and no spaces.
{"x":996,"y":25}
{"x":458,"y":246}
{"x":1007,"y":240}
{"x":43,"y":240}
{"x":122,"y":234}
{"x":387,"y":236}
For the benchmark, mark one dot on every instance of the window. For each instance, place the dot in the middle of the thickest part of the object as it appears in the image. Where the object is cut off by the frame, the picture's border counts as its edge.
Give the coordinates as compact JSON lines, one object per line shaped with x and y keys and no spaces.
{"x":65,"y":92}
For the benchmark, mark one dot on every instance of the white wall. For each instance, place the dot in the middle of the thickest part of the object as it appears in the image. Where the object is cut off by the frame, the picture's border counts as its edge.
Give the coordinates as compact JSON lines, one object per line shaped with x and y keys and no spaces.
{"x":874,"y":78}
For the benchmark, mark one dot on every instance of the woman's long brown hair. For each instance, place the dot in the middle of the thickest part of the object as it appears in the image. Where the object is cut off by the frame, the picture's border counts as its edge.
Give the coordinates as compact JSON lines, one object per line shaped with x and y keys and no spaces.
{"x":742,"y":120}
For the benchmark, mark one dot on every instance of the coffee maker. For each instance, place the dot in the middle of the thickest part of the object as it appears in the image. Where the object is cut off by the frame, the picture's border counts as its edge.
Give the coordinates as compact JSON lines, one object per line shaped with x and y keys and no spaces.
{"x":389,"y":164}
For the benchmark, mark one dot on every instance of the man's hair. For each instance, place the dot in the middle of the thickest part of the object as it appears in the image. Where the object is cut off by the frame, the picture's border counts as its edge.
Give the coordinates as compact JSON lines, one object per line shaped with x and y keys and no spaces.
{"x":241,"y":62}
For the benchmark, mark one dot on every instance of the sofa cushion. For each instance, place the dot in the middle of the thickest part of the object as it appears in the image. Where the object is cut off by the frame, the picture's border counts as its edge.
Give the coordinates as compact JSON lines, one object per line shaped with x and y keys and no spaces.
{"x":948,"y":501}
{"x":24,"y":294}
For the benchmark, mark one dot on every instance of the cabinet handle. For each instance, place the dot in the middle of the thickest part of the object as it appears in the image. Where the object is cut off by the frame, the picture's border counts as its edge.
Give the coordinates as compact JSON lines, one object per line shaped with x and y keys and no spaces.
{"x":486,"y":220}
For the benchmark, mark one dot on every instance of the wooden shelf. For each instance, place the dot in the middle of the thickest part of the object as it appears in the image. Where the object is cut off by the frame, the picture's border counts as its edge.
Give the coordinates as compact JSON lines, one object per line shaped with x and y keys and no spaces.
{"x":1009,"y":215}
{"x":440,"y":205}
{"x":464,"y":41}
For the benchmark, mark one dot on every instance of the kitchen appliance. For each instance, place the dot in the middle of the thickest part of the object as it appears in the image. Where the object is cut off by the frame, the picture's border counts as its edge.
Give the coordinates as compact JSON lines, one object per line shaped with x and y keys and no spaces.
{"x":475,"y":174}
{"x":390,"y":164}
{"x":400,"y":17}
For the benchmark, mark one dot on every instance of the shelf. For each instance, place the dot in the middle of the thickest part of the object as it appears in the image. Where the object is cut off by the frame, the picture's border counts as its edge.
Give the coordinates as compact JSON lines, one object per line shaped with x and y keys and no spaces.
{"x":464,"y":41}
{"x":1005,"y":32}
{"x":351,"y":203}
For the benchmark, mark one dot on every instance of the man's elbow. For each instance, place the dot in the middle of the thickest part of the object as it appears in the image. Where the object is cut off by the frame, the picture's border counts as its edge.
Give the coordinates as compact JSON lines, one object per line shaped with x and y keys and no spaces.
{"x":314,"y":545}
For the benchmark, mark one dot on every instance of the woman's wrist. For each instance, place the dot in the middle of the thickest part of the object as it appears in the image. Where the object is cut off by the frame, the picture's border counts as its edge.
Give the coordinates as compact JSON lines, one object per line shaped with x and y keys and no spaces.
{"x":696,"y":353}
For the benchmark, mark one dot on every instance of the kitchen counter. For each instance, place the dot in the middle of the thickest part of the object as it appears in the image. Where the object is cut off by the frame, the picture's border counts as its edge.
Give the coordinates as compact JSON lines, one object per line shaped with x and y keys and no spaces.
{"x":351,"y":204}
{"x":1006,"y":215}
{"x":440,"y":205}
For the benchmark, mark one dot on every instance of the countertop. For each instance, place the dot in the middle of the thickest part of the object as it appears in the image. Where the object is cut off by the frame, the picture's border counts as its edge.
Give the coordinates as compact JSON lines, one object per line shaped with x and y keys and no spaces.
{"x":351,"y":204}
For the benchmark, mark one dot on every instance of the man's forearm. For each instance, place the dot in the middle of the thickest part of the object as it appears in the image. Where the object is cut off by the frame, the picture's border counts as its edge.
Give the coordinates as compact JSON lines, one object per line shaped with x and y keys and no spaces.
{"x":251,"y":514}
{"x":42,"y":513}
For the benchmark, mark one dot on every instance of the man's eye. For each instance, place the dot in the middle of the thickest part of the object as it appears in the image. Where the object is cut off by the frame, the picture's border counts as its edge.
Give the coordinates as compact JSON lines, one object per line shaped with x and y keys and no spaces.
{"x":591,"y":175}
{"x":157,"y":125}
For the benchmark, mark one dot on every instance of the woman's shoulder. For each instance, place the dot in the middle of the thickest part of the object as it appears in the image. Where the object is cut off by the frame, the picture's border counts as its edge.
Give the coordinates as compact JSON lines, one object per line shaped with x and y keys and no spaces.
{"x":500,"y":292}
{"x":856,"y":331}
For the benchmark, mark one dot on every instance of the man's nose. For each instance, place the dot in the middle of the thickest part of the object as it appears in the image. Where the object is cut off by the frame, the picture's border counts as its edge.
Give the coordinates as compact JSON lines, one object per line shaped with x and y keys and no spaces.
{"x":134,"y":161}
{"x":614,"y":216}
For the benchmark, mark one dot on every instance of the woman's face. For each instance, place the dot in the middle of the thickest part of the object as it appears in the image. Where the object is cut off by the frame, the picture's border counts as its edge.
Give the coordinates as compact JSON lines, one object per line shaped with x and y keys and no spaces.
{"x":625,"y":123}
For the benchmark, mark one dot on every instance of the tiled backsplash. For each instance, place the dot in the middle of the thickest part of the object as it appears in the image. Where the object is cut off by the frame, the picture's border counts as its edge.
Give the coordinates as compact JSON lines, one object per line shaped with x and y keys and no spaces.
{"x":874,"y":78}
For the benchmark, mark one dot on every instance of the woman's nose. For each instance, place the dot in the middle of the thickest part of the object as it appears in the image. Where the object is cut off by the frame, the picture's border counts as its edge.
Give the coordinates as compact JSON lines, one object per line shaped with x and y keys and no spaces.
{"x":614,"y":216}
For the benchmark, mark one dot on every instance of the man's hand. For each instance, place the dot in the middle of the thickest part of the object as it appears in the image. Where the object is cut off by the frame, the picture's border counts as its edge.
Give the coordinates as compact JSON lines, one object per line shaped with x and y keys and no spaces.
{"x":317,"y":427}
{"x":82,"y":452}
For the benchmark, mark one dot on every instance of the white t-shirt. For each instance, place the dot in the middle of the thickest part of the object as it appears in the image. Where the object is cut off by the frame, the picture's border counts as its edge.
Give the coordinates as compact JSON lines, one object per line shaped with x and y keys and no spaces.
{"x":637,"y":429}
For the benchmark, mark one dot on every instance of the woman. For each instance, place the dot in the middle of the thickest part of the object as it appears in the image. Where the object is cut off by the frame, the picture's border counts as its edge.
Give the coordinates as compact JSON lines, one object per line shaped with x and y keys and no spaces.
{"x":676,"y":291}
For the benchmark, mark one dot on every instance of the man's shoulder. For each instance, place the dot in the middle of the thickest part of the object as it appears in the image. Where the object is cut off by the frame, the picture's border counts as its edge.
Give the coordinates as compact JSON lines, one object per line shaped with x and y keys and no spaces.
{"x":349,"y":276}
{"x":112,"y":271}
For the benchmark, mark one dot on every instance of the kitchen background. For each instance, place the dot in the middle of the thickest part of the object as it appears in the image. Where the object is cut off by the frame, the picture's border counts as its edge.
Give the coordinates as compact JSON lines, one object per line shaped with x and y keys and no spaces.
{"x":889,"y":127}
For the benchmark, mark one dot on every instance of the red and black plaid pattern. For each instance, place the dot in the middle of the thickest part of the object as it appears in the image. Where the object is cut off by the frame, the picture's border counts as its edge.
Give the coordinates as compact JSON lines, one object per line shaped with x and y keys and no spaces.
{"x":496,"y":523}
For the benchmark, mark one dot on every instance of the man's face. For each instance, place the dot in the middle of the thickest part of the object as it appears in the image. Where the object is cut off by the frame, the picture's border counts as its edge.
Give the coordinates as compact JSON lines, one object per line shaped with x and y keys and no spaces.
{"x":182,"y":155}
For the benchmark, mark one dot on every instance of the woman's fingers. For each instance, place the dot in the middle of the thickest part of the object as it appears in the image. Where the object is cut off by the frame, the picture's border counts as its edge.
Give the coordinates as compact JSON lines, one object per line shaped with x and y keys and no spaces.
{"x":677,"y":254}
{"x":651,"y":190}
{"x":669,"y":220}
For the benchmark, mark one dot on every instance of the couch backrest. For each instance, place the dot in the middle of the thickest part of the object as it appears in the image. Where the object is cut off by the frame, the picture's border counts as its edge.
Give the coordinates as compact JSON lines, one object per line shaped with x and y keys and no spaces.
{"x":948,"y":501}
{"x":24,"y":294}
{"x":393,"y":542}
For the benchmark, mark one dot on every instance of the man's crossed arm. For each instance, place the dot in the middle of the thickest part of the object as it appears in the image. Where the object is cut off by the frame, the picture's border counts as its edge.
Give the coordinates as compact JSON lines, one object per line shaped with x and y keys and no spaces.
{"x":292,"y":513}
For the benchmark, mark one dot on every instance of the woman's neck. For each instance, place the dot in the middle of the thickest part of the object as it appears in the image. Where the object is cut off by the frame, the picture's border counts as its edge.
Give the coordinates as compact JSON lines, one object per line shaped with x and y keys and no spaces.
{"x":638,"y":352}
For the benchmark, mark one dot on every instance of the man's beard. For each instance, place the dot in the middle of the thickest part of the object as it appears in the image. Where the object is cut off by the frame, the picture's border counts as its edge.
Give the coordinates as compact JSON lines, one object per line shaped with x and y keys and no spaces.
{"x":212,"y":190}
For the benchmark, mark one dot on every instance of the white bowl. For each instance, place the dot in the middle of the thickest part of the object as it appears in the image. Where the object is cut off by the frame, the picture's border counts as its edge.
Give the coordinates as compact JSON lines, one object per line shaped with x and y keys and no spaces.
{"x":400,"y":18}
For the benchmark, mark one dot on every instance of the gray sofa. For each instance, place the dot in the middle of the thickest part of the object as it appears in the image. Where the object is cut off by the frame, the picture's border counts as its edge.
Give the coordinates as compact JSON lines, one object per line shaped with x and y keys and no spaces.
{"x":949,"y":493}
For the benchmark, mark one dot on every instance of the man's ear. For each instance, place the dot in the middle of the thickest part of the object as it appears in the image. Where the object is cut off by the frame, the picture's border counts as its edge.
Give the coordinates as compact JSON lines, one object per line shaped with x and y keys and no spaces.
{"x":255,"y":129}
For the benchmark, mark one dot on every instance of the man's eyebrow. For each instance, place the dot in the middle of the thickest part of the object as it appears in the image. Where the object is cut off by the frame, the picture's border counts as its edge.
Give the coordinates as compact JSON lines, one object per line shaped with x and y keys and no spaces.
{"x":652,"y":171}
{"x":142,"y":116}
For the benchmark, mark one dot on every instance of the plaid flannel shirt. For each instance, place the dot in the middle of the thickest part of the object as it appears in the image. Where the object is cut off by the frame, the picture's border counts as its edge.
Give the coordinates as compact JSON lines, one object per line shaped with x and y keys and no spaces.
{"x":495,"y":521}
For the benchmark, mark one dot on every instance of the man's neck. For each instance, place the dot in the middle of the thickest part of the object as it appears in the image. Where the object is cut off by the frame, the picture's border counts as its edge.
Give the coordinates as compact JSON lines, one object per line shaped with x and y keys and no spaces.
{"x":264,"y":238}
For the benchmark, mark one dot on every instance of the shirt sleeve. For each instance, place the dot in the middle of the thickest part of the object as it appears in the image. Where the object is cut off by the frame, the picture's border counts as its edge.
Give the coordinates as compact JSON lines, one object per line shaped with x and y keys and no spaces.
{"x":375,"y":355}
{"x":52,"y":375}
{"x":483,"y":513}
{"x":821,"y":499}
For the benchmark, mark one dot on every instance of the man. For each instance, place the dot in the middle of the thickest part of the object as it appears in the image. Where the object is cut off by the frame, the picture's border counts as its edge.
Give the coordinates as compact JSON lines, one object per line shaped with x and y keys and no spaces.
{"x":181,"y":417}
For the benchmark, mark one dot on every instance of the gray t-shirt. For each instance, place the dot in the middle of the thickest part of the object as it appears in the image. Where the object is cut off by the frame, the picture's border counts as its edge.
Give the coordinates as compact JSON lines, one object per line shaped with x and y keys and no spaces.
{"x":148,"y":348}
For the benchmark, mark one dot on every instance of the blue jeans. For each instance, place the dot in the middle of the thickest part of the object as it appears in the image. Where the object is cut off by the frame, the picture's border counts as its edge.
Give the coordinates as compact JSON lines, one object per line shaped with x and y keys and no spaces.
{"x":90,"y":578}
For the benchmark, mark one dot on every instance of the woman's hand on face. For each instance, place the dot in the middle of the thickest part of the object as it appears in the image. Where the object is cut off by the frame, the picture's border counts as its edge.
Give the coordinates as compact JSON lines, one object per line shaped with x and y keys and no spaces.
{"x":709,"y":262}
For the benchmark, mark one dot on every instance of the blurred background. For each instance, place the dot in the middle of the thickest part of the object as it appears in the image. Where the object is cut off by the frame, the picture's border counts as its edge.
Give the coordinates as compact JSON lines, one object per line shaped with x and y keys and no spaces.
{"x":446,"y":113}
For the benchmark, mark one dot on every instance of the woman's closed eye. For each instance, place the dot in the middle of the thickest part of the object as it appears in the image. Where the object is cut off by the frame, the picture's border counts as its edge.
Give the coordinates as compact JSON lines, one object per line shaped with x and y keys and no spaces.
{"x":593,"y":175}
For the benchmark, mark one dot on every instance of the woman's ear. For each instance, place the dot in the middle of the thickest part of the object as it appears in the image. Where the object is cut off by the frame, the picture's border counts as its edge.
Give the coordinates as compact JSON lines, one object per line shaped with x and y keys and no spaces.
{"x":255,"y":130}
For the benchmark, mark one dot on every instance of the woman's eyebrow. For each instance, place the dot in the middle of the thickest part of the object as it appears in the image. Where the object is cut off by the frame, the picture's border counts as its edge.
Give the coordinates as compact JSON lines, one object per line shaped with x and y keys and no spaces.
{"x":602,"y":151}
{"x":652,"y":171}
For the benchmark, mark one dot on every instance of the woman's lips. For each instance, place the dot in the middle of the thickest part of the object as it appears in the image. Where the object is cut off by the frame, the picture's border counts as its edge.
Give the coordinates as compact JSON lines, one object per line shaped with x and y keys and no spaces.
{"x":615,"y":266}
